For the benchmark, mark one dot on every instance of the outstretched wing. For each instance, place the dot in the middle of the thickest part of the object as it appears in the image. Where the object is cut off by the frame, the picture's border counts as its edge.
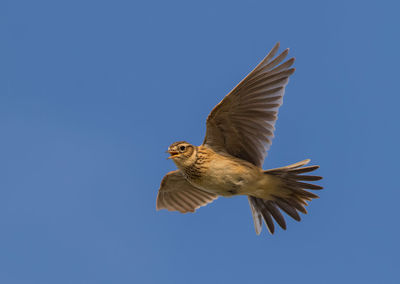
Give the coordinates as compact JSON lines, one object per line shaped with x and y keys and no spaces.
{"x":242,"y":124}
{"x":176,"y":194}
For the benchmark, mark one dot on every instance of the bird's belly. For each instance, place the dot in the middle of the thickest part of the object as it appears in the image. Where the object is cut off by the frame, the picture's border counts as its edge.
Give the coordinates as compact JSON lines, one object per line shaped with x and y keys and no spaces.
{"x":226,"y":178}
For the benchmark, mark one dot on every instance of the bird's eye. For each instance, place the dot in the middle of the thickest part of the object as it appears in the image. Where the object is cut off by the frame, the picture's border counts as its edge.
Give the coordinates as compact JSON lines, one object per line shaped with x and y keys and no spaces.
{"x":182,"y":148}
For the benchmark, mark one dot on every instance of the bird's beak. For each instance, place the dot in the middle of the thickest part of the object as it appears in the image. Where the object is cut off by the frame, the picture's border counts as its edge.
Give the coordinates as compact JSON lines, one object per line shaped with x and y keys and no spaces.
{"x":172,"y":153}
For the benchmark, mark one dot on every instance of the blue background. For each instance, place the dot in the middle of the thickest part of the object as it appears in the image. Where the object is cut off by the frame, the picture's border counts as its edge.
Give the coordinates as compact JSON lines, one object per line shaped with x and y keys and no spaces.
{"x":93,"y":92}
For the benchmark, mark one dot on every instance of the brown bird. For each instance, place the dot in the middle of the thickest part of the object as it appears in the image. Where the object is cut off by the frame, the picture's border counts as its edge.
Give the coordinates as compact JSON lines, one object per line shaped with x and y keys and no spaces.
{"x":228,"y":163}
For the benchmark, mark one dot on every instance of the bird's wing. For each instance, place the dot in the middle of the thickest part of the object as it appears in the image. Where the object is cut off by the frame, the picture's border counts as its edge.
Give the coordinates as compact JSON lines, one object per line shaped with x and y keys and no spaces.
{"x":176,"y":194}
{"x":242,"y":124}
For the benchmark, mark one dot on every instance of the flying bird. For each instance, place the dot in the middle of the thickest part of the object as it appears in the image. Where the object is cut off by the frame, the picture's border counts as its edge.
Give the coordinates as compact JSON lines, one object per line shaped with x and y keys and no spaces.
{"x":229,"y":162}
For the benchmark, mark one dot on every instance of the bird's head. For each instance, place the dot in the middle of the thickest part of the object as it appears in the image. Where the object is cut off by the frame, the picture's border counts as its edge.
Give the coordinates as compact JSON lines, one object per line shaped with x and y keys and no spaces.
{"x":182,"y":153}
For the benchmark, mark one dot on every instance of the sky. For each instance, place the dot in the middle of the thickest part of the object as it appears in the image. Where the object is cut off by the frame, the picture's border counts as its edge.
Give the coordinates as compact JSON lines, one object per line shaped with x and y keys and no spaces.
{"x":93,"y":92}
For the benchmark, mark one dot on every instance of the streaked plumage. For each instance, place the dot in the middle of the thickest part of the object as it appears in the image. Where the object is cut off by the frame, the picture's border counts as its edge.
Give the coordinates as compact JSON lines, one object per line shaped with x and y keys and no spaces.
{"x":239,"y":133}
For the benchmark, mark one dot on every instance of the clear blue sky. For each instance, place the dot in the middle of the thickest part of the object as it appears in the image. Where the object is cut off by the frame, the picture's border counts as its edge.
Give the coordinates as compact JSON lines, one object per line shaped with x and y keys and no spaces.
{"x":93,"y":92}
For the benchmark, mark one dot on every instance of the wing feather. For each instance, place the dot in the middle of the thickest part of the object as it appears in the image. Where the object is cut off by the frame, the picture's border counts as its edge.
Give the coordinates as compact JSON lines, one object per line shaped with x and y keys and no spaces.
{"x":176,"y":194}
{"x":243,"y":123}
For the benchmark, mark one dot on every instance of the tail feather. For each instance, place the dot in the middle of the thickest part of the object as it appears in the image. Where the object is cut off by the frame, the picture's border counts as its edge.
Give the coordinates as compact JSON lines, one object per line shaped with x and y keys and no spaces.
{"x":298,"y":204}
{"x":271,"y":206}
{"x":288,"y":208}
{"x":262,"y":210}
{"x":305,"y":170}
{"x":256,"y":213}
{"x":293,"y":199}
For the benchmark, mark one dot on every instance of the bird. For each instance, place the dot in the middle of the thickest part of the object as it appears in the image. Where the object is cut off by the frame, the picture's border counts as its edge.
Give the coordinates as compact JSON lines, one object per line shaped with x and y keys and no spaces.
{"x":239,"y":132}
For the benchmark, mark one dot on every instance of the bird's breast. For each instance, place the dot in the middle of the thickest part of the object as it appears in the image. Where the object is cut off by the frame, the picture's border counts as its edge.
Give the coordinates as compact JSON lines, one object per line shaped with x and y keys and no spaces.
{"x":221,"y":175}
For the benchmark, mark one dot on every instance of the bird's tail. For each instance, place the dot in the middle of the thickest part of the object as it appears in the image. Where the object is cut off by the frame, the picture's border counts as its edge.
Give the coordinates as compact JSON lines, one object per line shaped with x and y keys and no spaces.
{"x":291,"y":197}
